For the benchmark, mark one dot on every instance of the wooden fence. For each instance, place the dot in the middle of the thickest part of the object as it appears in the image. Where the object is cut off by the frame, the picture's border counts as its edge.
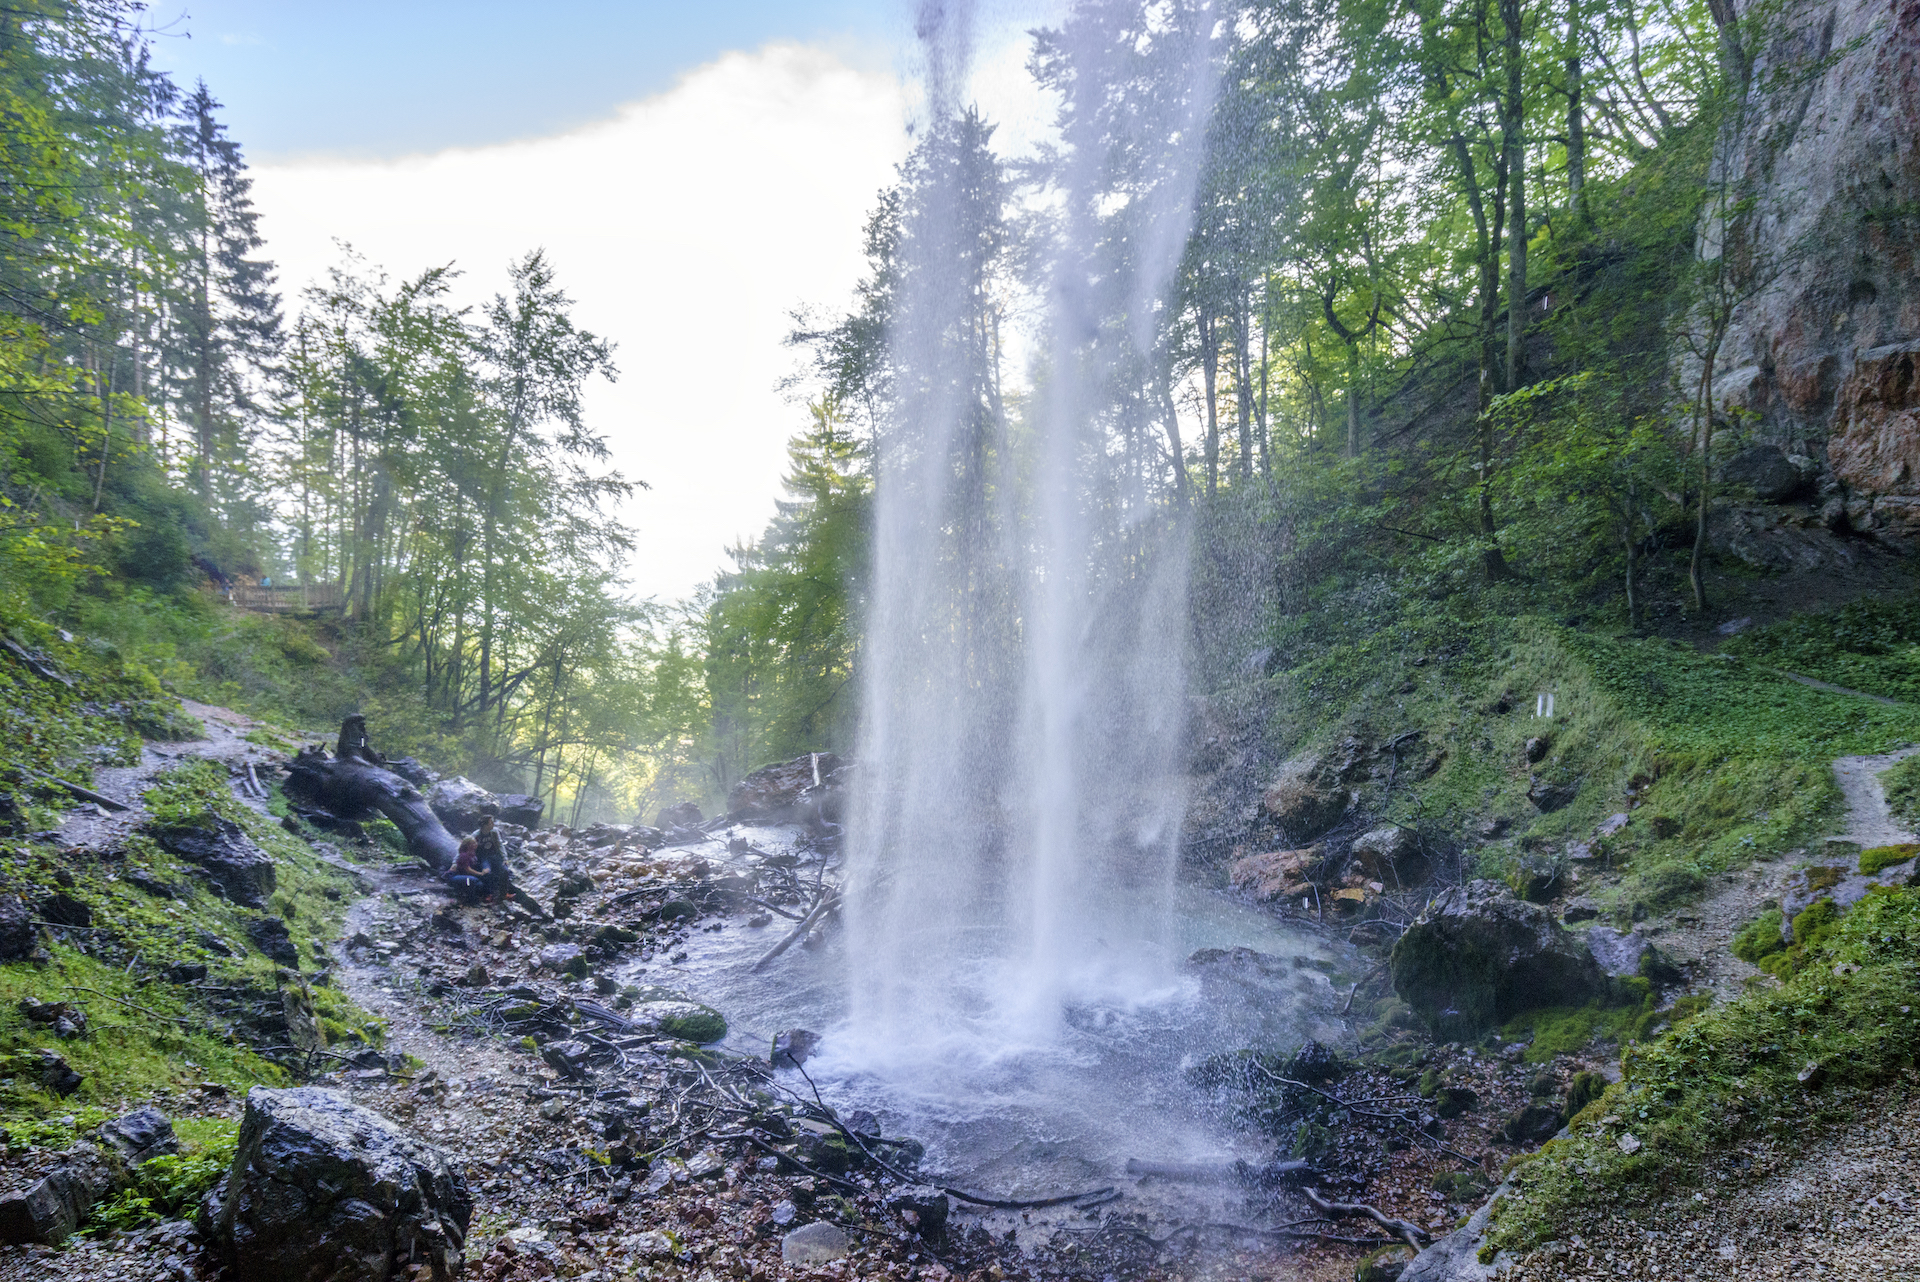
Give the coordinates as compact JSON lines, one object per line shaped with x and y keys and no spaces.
{"x":286,"y":600}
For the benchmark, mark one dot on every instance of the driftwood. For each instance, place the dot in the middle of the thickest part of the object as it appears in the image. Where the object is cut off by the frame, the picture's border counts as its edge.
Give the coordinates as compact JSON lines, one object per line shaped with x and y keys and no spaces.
{"x":1412,"y":1234}
{"x":827,"y":902}
{"x":75,"y":790}
{"x":354,"y":784}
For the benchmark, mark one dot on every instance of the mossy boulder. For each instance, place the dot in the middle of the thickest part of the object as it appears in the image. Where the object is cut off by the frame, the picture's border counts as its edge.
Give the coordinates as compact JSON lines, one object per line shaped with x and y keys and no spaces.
{"x":689,"y":1021}
{"x":1480,"y":955}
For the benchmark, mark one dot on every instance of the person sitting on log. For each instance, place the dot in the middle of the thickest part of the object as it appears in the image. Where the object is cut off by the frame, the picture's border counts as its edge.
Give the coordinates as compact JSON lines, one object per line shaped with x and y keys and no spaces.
{"x":488,"y":852}
{"x":467,"y":875}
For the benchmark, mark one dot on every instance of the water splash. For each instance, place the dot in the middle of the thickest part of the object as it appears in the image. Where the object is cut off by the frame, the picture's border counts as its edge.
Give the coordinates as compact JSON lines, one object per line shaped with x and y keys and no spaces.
{"x":1014,"y":847}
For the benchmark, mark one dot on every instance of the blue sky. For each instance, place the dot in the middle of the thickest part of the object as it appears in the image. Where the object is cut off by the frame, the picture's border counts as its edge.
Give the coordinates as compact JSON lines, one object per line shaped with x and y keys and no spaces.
{"x":369,"y":79}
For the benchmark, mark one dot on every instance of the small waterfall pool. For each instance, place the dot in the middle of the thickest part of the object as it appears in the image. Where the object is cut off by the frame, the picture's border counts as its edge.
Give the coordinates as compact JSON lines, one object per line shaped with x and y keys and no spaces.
{"x":1045,"y":1111}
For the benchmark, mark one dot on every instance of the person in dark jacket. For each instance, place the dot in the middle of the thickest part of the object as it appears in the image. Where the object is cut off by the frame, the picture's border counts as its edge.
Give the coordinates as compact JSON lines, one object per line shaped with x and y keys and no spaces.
{"x":492,"y":859}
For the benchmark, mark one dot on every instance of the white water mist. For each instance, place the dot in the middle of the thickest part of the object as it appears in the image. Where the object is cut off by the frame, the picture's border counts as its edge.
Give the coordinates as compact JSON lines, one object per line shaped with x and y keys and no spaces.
{"x":1025,"y":702}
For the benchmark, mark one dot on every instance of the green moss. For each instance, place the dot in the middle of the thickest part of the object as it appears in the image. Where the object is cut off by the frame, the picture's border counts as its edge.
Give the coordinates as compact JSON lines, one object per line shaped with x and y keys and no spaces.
{"x":1880,"y":858}
{"x":1902,"y":785}
{"x":1760,"y":938}
{"x":1562,"y":1030}
{"x":1736,"y":1073}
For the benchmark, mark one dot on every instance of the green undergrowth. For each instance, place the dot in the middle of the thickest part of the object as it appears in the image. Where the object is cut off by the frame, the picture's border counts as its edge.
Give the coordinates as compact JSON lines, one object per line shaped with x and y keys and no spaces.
{"x":172,"y":1185}
{"x":149,"y":1034}
{"x":89,"y":706}
{"x":1880,"y":858}
{"x":1902,"y":785}
{"x":1782,"y":1063}
{"x":1871,"y":645}
{"x":1717,"y":760}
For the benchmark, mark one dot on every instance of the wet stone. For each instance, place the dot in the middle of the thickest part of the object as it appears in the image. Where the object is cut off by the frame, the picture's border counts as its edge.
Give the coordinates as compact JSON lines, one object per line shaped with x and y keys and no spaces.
{"x":814,"y":1243}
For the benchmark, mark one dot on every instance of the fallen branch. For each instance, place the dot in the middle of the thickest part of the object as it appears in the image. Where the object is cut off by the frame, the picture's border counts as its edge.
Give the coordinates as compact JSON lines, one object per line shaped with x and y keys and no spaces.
{"x":799,"y":932}
{"x":84,"y":794}
{"x":33,"y":664}
{"x":1412,"y":1234}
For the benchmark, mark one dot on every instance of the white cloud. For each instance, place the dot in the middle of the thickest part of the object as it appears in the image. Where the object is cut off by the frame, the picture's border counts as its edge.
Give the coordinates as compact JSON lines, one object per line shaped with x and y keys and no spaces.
{"x":685,"y":229}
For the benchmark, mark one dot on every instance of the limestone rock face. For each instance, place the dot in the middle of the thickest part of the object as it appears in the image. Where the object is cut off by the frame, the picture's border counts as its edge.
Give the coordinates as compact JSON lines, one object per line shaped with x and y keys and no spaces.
{"x":1824,"y":346}
{"x":322,"y":1188}
{"x":1480,"y":955}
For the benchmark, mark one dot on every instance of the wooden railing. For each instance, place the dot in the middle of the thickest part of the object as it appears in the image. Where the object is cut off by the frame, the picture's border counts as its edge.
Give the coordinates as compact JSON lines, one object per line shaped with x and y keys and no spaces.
{"x":285,"y":600}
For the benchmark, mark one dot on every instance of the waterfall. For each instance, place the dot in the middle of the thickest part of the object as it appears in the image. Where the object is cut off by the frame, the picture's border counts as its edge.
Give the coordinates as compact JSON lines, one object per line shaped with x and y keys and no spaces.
{"x":1013,"y":847}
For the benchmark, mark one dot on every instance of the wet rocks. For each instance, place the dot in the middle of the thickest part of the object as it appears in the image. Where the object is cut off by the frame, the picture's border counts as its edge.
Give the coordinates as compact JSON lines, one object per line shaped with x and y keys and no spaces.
{"x":815,"y":1243}
{"x":1533,"y":1124}
{"x":684,"y":815}
{"x":567,"y":1057}
{"x":1765,"y":472}
{"x":688,"y":1021}
{"x":1548,"y":795}
{"x":519,"y":808}
{"x":223,"y":851}
{"x":57,"y":1077}
{"x":784,"y":791}
{"x":62,"y":909}
{"x":269,"y":935}
{"x":320,"y":1187}
{"x":1628,"y":953}
{"x":1305,"y":798}
{"x":1277,"y":875}
{"x":1480,"y":955}
{"x":19,"y":937}
{"x":64,"y":1018}
{"x":460,"y":804}
{"x":52,"y":1207}
{"x":564,"y":959}
{"x":791,"y":1048}
{"x":922,"y":1206}
{"x":1391,"y":854}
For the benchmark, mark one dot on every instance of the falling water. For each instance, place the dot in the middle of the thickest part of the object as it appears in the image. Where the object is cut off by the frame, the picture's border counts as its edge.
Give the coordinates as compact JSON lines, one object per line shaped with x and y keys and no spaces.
{"x":1014,"y":848}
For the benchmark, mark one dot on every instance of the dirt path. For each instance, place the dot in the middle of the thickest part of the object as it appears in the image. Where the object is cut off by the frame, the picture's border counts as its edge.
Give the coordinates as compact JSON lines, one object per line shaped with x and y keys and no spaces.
{"x":225,"y":741}
{"x":1870,"y":821}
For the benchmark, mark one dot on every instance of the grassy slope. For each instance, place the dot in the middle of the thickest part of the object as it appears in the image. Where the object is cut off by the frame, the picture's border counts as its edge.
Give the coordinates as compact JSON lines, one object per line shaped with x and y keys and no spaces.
{"x":147,"y":1036}
{"x":1730,"y":756}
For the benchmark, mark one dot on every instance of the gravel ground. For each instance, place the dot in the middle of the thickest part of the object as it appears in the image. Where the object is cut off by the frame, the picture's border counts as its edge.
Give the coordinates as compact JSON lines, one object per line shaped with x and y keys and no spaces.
{"x":1845,"y":1206}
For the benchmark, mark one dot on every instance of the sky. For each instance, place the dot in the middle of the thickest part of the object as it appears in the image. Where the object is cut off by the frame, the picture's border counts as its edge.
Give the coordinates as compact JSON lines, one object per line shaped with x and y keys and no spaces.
{"x":695,"y":172}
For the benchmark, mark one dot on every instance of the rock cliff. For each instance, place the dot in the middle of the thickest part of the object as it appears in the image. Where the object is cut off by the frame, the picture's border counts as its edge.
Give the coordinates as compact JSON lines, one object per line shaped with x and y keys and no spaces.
{"x":1825,"y":345}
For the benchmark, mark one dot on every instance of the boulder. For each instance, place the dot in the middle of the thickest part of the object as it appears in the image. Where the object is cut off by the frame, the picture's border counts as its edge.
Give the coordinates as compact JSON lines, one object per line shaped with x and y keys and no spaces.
{"x":62,"y":909}
{"x":57,"y":1077}
{"x":322,"y":1188}
{"x":52,"y":1207}
{"x":269,"y":935}
{"x":519,"y":808}
{"x":223,"y":851}
{"x":19,"y":937}
{"x":1548,"y":796}
{"x":689,"y":1021}
{"x":791,"y":1048}
{"x":1533,"y":1124}
{"x":1305,"y":798}
{"x":685,"y":815}
{"x":1626,"y":953}
{"x":1391,"y":855}
{"x":922,"y":1206}
{"x":1763,"y":471}
{"x":460,"y":804}
{"x":814,"y":1243}
{"x":1278,"y":874}
{"x":779,"y":792}
{"x":1480,"y":955}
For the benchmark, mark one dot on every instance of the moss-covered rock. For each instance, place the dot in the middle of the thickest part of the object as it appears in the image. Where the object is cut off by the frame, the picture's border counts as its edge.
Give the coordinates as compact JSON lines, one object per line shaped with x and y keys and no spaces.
{"x":689,"y":1021}
{"x":1480,"y":955}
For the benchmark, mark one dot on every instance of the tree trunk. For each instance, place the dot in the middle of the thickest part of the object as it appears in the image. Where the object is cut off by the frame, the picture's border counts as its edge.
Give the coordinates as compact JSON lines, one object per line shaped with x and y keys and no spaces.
{"x":1353,"y":399}
{"x":1210,"y":371}
{"x":1513,"y":143}
{"x":1243,"y":380}
{"x":1576,"y":121}
{"x":354,"y":784}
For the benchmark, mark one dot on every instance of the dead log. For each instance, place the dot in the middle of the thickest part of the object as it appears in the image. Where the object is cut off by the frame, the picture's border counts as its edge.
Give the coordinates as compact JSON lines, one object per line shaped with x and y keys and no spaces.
{"x":354,"y":784}
{"x":1412,"y":1234}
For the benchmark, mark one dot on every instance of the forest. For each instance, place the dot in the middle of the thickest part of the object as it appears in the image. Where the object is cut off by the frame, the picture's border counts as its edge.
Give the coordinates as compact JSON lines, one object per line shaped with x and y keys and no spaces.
{"x":1439,"y":346}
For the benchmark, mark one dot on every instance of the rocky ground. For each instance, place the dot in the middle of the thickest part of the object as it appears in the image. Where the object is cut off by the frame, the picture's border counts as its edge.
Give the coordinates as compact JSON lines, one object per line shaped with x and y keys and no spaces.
{"x":602,"y":1136}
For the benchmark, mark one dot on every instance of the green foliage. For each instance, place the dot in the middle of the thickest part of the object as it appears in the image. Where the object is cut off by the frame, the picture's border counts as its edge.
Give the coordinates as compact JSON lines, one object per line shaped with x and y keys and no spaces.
{"x":1902,"y":785}
{"x":1866,"y":645}
{"x":1879,"y":858}
{"x":1782,"y":1063}
{"x":1760,"y":938}
{"x":171,"y":1186}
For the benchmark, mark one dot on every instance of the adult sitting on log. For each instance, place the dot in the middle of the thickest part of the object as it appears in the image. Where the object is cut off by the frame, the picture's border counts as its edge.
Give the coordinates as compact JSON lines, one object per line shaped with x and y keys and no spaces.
{"x":354,"y":784}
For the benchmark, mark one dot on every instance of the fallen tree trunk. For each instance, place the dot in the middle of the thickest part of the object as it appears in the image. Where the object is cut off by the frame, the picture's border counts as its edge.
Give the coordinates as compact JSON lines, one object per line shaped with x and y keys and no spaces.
{"x":354,"y":784}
